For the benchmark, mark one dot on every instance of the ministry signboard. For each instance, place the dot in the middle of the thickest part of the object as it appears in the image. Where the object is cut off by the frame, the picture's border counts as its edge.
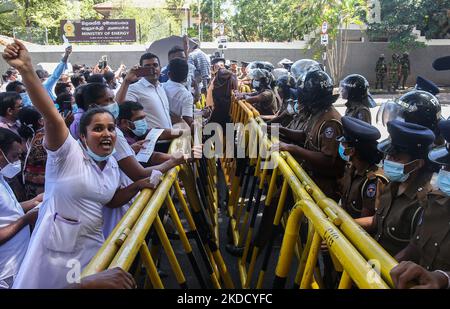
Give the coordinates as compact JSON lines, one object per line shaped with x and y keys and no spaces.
{"x":99,"y":31}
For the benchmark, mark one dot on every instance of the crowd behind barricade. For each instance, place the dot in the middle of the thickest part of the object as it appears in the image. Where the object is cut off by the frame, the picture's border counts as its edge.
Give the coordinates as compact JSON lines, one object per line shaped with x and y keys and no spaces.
{"x":76,"y":148}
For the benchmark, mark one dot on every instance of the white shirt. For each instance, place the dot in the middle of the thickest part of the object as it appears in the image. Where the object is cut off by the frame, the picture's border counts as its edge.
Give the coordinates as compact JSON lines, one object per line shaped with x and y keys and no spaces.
{"x":112,"y":216}
{"x":154,"y":100}
{"x":181,"y":101}
{"x":69,"y":228}
{"x":13,"y":251}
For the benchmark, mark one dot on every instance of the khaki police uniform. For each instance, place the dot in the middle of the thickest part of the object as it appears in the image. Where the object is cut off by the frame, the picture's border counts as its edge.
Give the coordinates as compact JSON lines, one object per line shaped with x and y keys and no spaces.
{"x":321,"y":131}
{"x":432,"y":237}
{"x":396,"y":216}
{"x":358,"y":111}
{"x":359,"y":190}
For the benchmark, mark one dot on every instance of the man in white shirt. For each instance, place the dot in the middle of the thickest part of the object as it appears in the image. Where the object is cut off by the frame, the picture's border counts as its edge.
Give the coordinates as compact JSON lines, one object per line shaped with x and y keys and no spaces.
{"x":14,"y":216}
{"x":181,"y":102}
{"x":147,"y":91}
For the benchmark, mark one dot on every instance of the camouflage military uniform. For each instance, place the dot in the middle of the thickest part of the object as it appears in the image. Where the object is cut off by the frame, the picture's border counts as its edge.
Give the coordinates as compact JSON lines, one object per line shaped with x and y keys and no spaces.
{"x":393,"y":73}
{"x":381,"y":70}
{"x":405,"y":66}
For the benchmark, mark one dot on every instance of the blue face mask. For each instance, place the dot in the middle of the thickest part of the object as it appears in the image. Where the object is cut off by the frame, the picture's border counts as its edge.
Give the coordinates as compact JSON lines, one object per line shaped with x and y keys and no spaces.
{"x":74,"y":108}
{"x":443,"y":182}
{"x":95,"y":156}
{"x":140,"y":127}
{"x":296,"y":107}
{"x":256,"y":84}
{"x":342,"y":154}
{"x":113,"y":108}
{"x":394,"y":171}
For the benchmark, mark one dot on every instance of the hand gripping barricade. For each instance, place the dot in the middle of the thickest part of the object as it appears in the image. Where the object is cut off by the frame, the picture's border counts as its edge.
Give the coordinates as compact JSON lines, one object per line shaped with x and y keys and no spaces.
{"x":140,"y":233}
{"x":313,"y":218}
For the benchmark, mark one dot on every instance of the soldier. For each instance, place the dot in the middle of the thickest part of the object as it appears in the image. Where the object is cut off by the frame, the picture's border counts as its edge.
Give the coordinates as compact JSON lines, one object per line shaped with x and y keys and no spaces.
{"x":355,"y":89}
{"x":430,"y":246}
{"x":380,"y":69}
{"x":362,"y":176}
{"x":398,"y":206}
{"x":405,"y":69}
{"x":314,"y":143}
{"x":393,"y":72}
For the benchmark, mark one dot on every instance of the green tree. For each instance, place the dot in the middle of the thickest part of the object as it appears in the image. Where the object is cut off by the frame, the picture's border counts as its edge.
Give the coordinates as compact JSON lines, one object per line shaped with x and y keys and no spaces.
{"x":206,"y":13}
{"x":339,"y":14}
{"x":154,"y":23}
{"x":400,"y":17}
{"x":8,"y":17}
{"x":273,"y":20}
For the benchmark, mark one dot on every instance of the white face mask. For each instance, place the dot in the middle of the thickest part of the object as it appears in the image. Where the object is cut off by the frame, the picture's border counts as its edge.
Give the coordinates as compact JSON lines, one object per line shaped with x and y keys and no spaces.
{"x":11,"y":169}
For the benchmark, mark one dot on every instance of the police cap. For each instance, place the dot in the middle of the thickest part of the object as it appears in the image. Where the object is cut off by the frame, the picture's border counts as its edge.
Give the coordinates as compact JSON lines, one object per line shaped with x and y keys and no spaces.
{"x":426,"y":85}
{"x":406,"y":137}
{"x":358,"y":131}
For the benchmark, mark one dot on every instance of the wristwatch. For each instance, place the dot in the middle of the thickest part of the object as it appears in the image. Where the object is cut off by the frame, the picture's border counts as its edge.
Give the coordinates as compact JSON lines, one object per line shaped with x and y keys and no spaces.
{"x":446,"y":275}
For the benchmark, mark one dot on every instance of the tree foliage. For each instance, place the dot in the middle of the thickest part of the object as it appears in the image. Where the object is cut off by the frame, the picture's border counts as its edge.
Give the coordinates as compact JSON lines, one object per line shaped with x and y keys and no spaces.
{"x":400,"y":17}
{"x":154,"y":23}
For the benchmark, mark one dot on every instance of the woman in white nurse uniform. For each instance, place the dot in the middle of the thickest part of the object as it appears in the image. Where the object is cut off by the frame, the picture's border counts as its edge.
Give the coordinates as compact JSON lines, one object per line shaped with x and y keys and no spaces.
{"x":81,"y":178}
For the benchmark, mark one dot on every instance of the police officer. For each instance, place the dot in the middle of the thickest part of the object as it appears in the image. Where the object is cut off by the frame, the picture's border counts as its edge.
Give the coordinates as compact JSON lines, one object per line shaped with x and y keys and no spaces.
{"x":315,"y":144}
{"x":362,"y":176}
{"x":243,"y":70}
{"x":263,"y":99}
{"x":398,"y":207}
{"x":286,"y":94}
{"x":234,"y":66}
{"x":380,"y":70}
{"x":298,"y":72}
{"x":393,"y":72}
{"x":430,"y":246}
{"x":355,"y":89}
{"x":405,"y":69}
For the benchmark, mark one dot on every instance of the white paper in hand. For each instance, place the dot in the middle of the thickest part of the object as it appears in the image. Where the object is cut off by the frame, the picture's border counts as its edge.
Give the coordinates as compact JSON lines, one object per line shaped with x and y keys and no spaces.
{"x":155,"y":178}
{"x":146,"y":152}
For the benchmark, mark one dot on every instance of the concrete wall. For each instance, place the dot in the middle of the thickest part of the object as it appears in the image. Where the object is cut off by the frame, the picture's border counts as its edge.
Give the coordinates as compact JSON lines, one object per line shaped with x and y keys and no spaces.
{"x":361,"y":56}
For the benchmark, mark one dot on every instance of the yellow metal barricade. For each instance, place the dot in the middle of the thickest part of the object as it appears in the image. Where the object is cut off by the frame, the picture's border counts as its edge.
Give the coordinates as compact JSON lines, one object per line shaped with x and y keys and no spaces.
{"x":351,"y":248}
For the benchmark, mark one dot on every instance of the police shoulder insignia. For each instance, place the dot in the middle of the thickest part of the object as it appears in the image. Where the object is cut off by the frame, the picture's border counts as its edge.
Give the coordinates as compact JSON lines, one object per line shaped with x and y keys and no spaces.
{"x":371,"y":190}
{"x":329,"y":132}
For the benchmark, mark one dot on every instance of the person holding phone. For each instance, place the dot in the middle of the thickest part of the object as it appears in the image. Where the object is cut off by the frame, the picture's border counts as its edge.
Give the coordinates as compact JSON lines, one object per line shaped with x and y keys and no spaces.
{"x":147,"y":91}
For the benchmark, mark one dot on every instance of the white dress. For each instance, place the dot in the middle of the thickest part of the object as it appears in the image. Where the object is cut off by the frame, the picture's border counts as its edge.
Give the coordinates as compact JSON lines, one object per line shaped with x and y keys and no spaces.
{"x":13,"y":251}
{"x":112,"y":216}
{"x":69,"y":228}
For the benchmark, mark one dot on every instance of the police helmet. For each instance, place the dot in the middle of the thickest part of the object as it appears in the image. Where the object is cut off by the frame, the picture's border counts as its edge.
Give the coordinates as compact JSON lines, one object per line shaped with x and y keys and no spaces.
{"x":278,"y":73}
{"x":260,"y":65}
{"x":316,"y":89}
{"x":417,"y":106}
{"x":286,"y":84}
{"x":303,"y":66}
{"x":262,"y":75}
{"x":355,"y":88}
